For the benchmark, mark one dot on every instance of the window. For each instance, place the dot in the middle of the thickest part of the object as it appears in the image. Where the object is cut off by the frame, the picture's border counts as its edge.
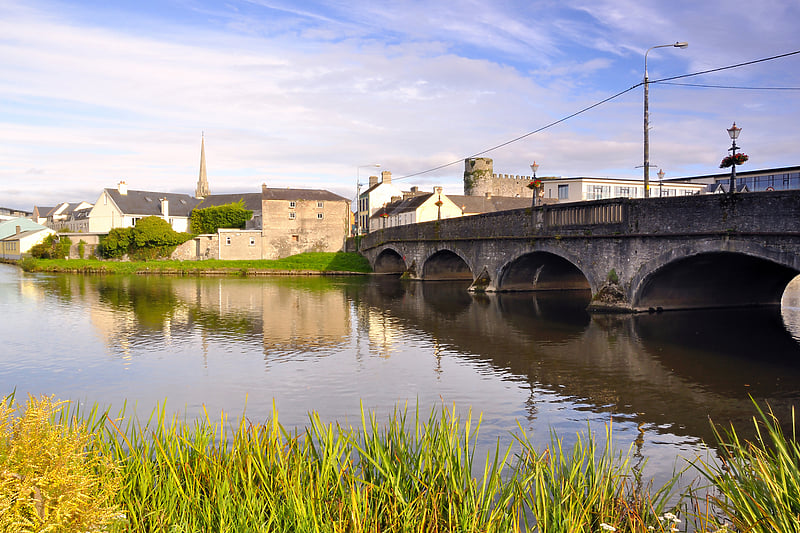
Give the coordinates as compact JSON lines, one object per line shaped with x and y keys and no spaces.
{"x":320,"y":216}
{"x":295,"y":238}
{"x":134,"y":220}
{"x":563,"y":192}
{"x":227,"y":241}
{"x":292,"y":205}
{"x":252,"y":241}
{"x":292,"y":215}
{"x":320,"y":205}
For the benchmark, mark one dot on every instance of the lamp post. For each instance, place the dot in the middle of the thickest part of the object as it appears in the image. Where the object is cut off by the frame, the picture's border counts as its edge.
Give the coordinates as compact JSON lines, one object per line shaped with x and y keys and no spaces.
{"x":647,"y":115}
{"x":535,"y":187}
{"x":660,"y":179}
{"x":733,"y":132}
{"x":358,"y":196}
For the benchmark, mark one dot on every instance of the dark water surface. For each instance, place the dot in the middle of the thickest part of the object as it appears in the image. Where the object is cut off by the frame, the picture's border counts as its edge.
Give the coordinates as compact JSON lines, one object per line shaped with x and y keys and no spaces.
{"x":328,"y":344}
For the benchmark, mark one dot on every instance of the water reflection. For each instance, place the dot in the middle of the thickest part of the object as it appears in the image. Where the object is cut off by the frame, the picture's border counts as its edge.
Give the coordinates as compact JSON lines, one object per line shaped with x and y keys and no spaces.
{"x":327,"y":343}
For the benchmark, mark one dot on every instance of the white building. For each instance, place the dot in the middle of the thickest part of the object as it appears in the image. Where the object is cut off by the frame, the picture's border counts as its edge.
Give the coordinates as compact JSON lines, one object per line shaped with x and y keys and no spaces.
{"x":584,"y":188}
{"x":123,"y":208}
{"x":375,"y":197}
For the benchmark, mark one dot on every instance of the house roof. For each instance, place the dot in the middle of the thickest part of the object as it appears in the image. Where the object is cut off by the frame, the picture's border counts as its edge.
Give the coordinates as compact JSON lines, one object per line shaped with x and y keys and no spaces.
{"x":148,"y":203}
{"x":24,"y":234}
{"x":301,"y":194}
{"x":405,"y":205}
{"x":252,"y":200}
{"x":41,"y":210}
{"x":9,"y":227}
{"x":482,"y":204}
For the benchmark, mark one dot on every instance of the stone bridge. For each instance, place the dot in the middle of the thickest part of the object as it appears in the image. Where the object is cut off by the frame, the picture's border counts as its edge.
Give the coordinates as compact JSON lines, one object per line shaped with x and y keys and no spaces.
{"x":635,"y":255}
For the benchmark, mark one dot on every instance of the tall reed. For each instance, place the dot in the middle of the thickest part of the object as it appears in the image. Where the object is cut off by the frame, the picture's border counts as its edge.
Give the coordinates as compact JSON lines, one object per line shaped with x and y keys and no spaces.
{"x":757,"y":482}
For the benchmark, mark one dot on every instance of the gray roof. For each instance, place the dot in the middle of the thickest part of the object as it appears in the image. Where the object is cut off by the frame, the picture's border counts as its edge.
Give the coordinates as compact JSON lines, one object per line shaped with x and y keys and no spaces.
{"x":148,"y":203}
{"x":481,"y":204}
{"x":302,"y":194}
{"x":405,"y":205}
{"x":252,"y":200}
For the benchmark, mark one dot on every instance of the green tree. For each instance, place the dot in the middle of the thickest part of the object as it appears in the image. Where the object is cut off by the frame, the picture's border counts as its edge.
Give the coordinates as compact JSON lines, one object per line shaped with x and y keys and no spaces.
{"x":151,"y":238}
{"x":53,"y":247}
{"x":210,"y":219}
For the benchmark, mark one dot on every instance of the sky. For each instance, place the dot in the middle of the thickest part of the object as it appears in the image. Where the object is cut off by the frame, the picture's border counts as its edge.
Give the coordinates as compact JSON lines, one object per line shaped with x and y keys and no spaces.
{"x":308,"y":94}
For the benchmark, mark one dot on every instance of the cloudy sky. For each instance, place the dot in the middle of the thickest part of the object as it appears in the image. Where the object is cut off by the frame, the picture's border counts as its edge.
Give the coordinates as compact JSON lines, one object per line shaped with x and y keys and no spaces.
{"x":303,"y":93}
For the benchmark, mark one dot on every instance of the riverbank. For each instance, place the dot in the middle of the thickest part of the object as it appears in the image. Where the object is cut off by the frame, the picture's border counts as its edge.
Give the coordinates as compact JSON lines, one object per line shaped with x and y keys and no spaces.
{"x":72,"y":469}
{"x":311,"y":263}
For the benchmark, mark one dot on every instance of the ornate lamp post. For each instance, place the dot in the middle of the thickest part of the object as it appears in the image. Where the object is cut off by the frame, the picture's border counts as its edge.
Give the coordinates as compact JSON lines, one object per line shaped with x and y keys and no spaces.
{"x":733,"y":132}
{"x":647,"y":116}
{"x":535,"y":184}
{"x":660,"y":179}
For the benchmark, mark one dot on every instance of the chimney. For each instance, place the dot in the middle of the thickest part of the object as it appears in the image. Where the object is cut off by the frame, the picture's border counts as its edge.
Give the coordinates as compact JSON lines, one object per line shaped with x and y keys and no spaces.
{"x":165,"y":208}
{"x":373,"y":180}
{"x":19,"y":230}
{"x":396,"y":198}
{"x":122,"y":188}
{"x":488,"y":195}
{"x":414,"y":189}
{"x":386,"y":177}
{"x":263,"y":188}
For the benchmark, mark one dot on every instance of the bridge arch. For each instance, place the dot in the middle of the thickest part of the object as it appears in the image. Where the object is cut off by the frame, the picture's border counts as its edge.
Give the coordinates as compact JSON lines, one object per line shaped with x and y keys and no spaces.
{"x":389,"y":261}
{"x":541,"y":271}
{"x":446,"y":265}
{"x":739,"y":274}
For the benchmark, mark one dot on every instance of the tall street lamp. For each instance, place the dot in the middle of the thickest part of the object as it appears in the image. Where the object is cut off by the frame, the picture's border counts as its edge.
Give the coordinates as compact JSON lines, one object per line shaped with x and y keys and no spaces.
{"x":682,"y":44}
{"x":358,"y":196}
{"x":733,"y":132}
{"x":660,"y":179}
{"x":534,"y":184}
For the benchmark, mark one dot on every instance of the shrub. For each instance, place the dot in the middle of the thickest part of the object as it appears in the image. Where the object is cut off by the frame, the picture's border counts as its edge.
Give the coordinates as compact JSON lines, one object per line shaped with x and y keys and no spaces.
{"x":51,"y":479}
{"x":151,"y":238}
{"x":81,"y":248}
{"x":53,"y":247}
{"x":210,"y":219}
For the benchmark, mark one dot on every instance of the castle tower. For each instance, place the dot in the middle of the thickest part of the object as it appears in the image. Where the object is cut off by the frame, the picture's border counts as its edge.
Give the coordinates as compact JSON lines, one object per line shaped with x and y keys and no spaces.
{"x":202,"y":183}
{"x":478,"y":176}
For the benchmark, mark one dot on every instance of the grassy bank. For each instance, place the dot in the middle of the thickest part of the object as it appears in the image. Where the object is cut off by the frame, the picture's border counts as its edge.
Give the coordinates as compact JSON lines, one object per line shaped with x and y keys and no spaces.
{"x":75,"y":471}
{"x":312,"y":262}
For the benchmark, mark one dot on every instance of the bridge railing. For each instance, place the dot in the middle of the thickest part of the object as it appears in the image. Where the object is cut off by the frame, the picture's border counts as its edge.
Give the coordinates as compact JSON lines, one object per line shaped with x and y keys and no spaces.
{"x":586,"y":215}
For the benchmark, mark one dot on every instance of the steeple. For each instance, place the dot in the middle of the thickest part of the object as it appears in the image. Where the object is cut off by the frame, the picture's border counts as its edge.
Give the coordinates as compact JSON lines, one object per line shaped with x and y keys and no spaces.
{"x":202,"y":182}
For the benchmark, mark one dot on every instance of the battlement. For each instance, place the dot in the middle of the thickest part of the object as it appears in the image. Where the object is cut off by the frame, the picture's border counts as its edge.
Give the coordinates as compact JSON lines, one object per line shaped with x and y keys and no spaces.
{"x":479,"y":179}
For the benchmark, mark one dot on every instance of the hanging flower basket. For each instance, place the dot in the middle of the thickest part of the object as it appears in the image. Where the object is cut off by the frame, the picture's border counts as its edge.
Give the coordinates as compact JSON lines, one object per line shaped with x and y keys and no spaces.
{"x":384,"y":215}
{"x":535,"y":184}
{"x":737,"y":159}
{"x":438,"y":203}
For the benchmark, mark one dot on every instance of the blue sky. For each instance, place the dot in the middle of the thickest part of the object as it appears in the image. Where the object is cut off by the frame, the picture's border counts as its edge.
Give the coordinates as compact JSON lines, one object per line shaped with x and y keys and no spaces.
{"x":300,"y":94}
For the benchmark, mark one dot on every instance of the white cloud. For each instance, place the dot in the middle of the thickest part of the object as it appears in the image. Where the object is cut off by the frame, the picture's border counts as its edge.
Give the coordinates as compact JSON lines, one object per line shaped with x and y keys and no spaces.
{"x":411,"y":86}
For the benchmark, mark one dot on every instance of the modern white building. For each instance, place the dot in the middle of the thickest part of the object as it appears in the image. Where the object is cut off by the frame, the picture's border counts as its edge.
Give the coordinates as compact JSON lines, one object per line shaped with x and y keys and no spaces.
{"x":584,"y":188}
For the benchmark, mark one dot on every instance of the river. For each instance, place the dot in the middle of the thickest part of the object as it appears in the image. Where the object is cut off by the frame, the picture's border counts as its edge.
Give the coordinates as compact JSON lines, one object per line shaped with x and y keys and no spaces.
{"x":535,"y":361}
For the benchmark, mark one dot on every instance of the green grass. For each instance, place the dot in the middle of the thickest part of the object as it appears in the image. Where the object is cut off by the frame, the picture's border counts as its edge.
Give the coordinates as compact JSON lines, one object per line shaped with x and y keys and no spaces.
{"x":306,"y":262}
{"x":406,"y":474}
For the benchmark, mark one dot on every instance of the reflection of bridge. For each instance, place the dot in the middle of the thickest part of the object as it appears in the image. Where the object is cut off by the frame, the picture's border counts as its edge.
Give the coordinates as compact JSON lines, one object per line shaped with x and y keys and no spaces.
{"x":633,"y":254}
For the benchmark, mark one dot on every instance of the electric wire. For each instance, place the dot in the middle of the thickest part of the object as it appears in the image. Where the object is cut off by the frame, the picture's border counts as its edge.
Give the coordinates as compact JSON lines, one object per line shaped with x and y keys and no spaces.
{"x":597,"y":104}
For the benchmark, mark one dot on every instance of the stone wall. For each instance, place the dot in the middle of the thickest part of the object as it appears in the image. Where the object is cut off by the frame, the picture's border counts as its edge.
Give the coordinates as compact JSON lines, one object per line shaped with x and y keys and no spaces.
{"x":480,"y":179}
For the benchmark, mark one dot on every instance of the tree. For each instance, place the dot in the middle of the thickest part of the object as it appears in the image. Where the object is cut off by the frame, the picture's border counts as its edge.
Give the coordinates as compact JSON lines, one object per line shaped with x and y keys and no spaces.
{"x":210,"y":219}
{"x":151,"y":238}
{"x":53,"y":247}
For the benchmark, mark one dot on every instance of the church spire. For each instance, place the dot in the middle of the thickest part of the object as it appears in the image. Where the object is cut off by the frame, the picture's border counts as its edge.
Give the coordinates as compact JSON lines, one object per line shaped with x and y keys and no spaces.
{"x":202,"y":182}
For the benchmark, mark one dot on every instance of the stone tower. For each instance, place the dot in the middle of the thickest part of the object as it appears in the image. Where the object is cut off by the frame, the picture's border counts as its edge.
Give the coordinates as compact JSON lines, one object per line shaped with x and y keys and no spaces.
{"x":202,"y":182}
{"x":478,"y":176}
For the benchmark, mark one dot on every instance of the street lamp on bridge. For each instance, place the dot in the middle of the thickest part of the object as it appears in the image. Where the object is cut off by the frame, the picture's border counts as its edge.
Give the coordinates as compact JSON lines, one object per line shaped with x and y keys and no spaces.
{"x":733,"y":132}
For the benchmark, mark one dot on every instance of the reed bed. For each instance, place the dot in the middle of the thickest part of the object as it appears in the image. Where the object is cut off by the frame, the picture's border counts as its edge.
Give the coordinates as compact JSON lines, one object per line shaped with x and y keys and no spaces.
{"x":406,"y":474}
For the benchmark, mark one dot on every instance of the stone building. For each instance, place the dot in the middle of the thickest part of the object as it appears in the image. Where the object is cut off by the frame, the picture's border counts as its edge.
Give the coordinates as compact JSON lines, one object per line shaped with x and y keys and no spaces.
{"x":303,"y":220}
{"x":480,"y":180}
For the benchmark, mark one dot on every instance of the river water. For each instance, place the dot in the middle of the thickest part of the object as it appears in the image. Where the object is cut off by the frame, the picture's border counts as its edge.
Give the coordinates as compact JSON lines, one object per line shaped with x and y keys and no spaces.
{"x":537,"y":362}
